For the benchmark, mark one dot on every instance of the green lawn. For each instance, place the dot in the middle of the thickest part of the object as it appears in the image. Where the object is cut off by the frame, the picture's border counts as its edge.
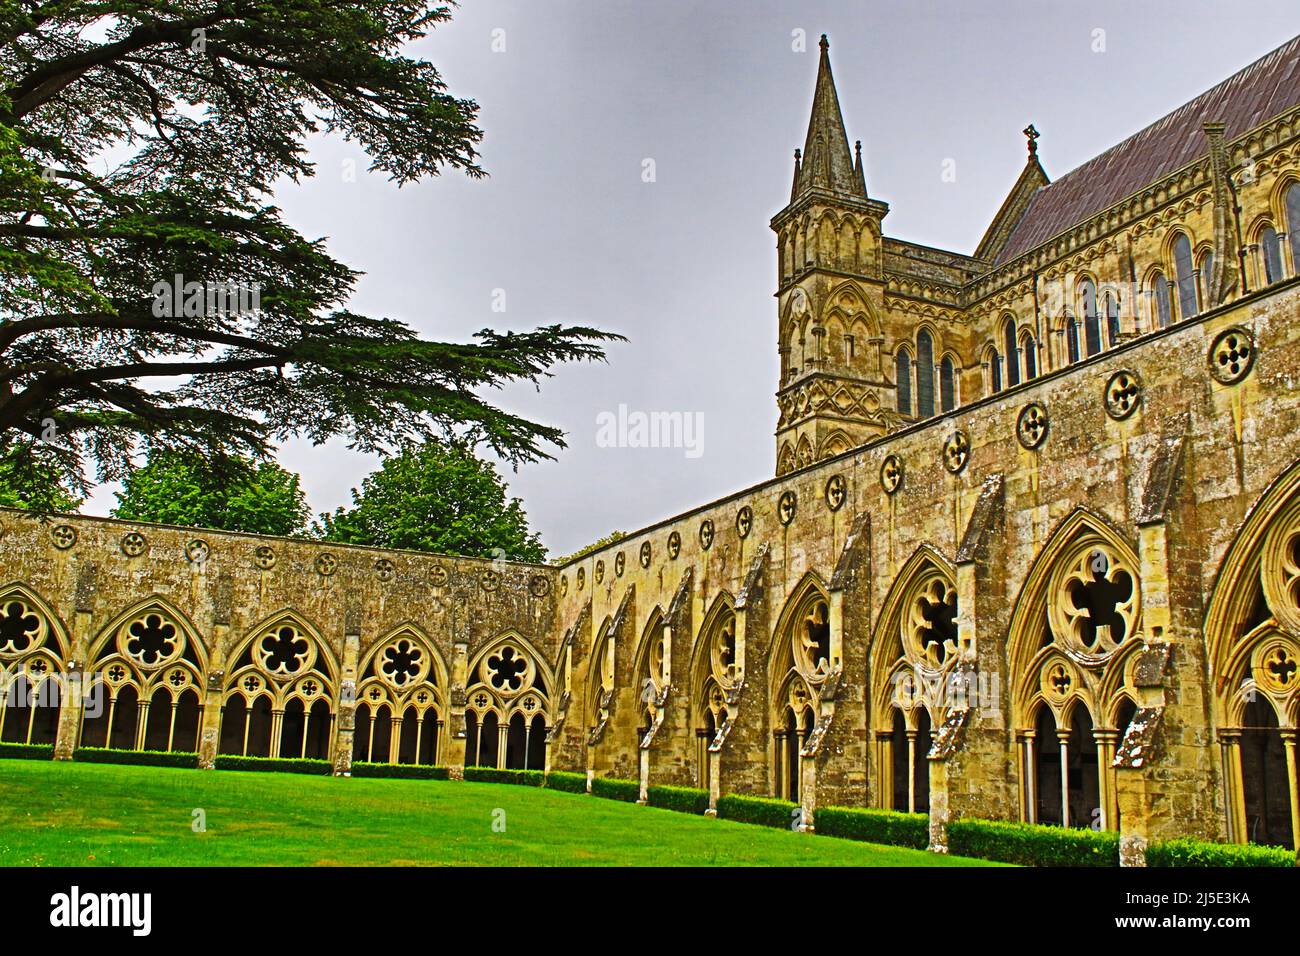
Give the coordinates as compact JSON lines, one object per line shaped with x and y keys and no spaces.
{"x":67,"y":814}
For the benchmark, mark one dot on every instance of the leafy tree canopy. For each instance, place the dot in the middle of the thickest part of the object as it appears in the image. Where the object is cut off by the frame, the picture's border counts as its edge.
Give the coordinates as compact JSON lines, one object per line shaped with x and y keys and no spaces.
{"x":231,"y":495}
{"x":152,"y":296}
{"x":438,"y":497}
{"x":33,"y":480}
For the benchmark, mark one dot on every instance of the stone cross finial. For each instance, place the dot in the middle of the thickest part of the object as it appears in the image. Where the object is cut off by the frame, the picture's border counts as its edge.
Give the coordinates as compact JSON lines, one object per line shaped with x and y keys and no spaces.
{"x":1032,"y":135}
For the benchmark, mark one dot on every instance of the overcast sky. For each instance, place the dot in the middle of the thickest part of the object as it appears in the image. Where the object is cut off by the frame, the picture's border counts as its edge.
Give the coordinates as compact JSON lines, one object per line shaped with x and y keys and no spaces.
{"x":717,"y":95}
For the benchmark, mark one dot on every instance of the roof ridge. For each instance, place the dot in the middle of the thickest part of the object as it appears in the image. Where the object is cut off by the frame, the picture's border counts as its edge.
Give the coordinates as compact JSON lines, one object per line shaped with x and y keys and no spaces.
{"x":1295,"y":40}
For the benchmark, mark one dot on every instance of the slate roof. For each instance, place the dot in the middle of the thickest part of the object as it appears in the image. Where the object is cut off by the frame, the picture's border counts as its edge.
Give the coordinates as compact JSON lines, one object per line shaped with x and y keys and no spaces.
{"x":1265,"y":89}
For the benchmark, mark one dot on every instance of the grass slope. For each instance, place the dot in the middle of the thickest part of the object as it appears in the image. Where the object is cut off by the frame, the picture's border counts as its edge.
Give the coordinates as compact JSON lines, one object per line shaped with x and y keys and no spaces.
{"x":69,"y":814}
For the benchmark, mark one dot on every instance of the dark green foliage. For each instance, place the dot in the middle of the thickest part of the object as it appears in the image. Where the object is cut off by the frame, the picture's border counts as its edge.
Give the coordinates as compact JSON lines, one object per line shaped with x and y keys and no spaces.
{"x":1028,"y":844}
{"x":761,"y":810}
{"x":229,"y":495}
{"x":144,"y":758}
{"x":1189,"y":852}
{"x":527,"y":778}
{"x":403,"y":771}
{"x":612,"y":788}
{"x":143,"y":141}
{"x":888,"y":827}
{"x":33,"y":479}
{"x":438,"y":497}
{"x":568,"y":782}
{"x":27,"y":751}
{"x":681,"y":799}
{"x":234,"y":762}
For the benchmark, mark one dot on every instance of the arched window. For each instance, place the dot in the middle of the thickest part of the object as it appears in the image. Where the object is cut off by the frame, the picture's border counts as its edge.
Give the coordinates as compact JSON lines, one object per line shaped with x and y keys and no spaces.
{"x":1271,"y":247}
{"x":1009,"y":343}
{"x":1030,"y":349}
{"x":1207,"y":273}
{"x":903,"y":378}
{"x":1293,"y":224}
{"x":1074,"y":631}
{"x":947,"y":384}
{"x":924,"y":374}
{"x":995,"y":371}
{"x":1111,"y":303}
{"x":1183,"y":269}
{"x":505,"y":682}
{"x":1072,"y":339}
{"x":1162,"y":312}
{"x":1091,"y":321}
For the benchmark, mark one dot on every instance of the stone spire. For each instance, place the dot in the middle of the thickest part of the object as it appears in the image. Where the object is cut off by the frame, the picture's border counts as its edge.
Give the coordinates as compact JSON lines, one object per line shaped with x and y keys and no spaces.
{"x":827,"y":162}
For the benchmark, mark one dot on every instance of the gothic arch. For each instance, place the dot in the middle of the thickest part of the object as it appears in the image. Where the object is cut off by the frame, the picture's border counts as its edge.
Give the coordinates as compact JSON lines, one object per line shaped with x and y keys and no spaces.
{"x":401,"y":713}
{"x":915,"y":652}
{"x":816,"y":652}
{"x":51,"y":626}
{"x":508,"y":705}
{"x":714,"y":677}
{"x":155,"y":602}
{"x":803,"y":455}
{"x":601,"y":679}
{"x":785,"y":460}
{"x":1252,"y":634}
{"x":652,"y":665}
{"x":34,"y":644}
{"x":845,"y":297}
{"x":279,"y":695}
{"x":147,"y":669}
{"x":1075,"y":630}
{"x":836,"y":443}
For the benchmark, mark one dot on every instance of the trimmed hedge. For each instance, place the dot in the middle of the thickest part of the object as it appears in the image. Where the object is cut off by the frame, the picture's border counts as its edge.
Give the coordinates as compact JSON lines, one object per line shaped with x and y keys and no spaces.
{"x":27,"y":751}
{"x":761,"y":810}
{"x":1188,"y":852}
{"x":404,"y":771}
{"x":143,"y":758}
{"x":611,"y":788}
{"x":875,"y":826}
{"x":1029,"y":844}
{"x":567,"y":782}
{"x":526,"y":778}
{"x":278,"y":765}
{"x":681,"y":799}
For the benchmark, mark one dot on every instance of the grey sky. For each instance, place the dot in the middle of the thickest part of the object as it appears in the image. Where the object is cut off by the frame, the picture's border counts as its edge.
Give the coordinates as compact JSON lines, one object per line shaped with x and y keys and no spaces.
{"x":685,"y":266}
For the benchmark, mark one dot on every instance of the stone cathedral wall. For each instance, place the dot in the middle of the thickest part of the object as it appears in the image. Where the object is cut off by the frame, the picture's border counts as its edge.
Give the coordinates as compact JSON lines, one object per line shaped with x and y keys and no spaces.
{"x":1158,"y":450}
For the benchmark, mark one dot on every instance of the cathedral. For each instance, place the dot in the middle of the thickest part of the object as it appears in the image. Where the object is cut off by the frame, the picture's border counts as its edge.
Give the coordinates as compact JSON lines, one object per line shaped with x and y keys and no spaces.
{"x":1031,"y":551}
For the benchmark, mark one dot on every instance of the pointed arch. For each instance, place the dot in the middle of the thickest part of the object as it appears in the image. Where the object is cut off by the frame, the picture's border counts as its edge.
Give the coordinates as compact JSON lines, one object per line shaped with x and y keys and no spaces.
{"x":54,"y":628}
{"x":888,"y":647}
{"x":1071,"y":646}
{"x":707,"y":659}
{"x":1071,"y":534}
{"x":836,"y":443}
{"x":33,"y":648}
{"x":292,"y":618}
{"x":815,"y":655}
{"x":140,"y":608}
{"x":437,"y":666}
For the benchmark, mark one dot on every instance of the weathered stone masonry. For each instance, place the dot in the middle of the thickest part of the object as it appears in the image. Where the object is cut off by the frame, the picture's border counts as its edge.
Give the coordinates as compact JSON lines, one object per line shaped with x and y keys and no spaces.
{"x":1073,"y":597}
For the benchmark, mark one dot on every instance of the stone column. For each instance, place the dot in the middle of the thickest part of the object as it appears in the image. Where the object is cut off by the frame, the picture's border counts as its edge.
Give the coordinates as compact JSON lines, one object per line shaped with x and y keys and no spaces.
{"x":72,"y":693}
{"x":210,"y":727}
{"x":1289,"y":741}
{"x":346,"y":725}
{"x":71,"y":704}
{"x":455,"y":757}
{"x":938,"y":806}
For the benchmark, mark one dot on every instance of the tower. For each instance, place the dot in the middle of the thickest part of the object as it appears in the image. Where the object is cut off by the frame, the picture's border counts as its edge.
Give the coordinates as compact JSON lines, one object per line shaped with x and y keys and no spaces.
{"x":834,"y":393}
